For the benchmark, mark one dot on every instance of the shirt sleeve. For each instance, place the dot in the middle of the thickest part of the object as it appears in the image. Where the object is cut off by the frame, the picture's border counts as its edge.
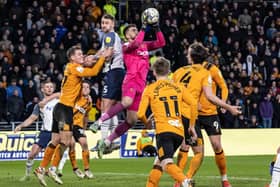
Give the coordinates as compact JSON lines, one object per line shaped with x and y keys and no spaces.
{"x":36,"y":110}
{"x":160,"y":42}
{"x":219,"y":79}
{"x":207,"y":80}
{"x":109,"y":39}
{"x":143,"y":106}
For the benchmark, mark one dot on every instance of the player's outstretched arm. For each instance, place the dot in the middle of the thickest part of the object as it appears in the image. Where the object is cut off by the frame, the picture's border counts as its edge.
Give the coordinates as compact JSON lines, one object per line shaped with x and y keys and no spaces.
{"x":48,"y":98}
{"x":159,"y":43}
{"x":26,"y":122}
{"x":94,"y":70}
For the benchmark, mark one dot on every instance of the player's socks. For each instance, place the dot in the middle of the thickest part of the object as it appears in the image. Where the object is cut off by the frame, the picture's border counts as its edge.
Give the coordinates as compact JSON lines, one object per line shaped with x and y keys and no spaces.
{"x":49,"y":151}
{"x":56,"y":157}
{"x":63,"y":160}
{"x":119,"y":130}
{"x":276,"y":172}
{"x":104,"y":127}
{"x":194,"y":165}
{"x":112,"y":111}
{"x":182,"y":159}
{"x":85,"y":155}
{"x":175,"y":172}
{"x":154,"y":177}
{"x":29,"y":164}
{"x":72,"y":157}
{"x":115,"y":123}
{"x":221,"y":163}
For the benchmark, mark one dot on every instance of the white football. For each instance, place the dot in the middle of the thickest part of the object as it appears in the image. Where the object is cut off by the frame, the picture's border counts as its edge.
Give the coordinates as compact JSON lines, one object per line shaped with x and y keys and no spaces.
{"x":150,"y":15}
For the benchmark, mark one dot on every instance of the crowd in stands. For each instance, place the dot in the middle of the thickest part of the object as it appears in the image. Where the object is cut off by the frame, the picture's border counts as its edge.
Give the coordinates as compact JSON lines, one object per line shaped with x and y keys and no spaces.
{"x":243,"y":40}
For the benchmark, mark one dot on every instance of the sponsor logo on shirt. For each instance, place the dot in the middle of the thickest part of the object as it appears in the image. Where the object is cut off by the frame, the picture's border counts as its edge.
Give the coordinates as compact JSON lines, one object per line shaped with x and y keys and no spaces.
{"x":142,"y":53}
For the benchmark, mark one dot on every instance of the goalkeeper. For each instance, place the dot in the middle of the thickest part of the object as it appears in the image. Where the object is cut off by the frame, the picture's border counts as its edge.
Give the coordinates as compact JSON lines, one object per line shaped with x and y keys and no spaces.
{"x":136,"y":59}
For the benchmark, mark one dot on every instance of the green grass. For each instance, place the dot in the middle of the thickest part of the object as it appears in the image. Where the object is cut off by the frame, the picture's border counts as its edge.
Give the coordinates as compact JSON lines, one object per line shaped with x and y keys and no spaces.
{"x":243,"y":171}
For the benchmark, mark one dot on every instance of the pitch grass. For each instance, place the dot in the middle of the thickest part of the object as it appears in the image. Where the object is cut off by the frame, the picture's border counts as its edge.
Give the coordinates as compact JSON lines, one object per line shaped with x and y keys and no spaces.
{"x":243,"y":171}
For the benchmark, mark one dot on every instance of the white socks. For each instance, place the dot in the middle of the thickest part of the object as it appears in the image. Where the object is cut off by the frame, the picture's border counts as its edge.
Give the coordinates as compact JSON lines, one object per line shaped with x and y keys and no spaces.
{"x":63,"y":160}
{"x":276,"y":173}
{"x":29,"y":164}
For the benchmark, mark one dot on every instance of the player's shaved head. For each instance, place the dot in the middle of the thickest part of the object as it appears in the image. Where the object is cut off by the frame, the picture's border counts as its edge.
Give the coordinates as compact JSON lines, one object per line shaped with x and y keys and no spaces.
{"x":161,"y":67}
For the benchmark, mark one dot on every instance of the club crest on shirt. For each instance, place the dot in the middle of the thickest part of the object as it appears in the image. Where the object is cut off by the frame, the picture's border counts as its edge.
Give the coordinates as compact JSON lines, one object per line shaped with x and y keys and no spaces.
{"x":80,"y":69}
{"x":107,"y":40}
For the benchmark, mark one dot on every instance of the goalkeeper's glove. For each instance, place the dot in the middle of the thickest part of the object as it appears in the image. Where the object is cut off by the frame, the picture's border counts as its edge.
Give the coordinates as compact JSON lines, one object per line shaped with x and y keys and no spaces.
{"x":146,"y":27}
{"x":155,"y":27}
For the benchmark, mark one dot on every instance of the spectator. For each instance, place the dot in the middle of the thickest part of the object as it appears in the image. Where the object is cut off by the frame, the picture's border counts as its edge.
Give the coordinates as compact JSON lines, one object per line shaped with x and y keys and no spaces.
{"x":3,"y":101}
{"x":15,"y":107}
{"x":46,"y":51}
{"x":29,"y":92}
{"x":109,"y":8}
{"x":249,"y":65}
{"x":276,"y":112}
{"x":244,"y":20}
{"x":94,"y":12}
{"x":12,"y":87}
{"x":266,"y":111}
{"x":254,"y":123}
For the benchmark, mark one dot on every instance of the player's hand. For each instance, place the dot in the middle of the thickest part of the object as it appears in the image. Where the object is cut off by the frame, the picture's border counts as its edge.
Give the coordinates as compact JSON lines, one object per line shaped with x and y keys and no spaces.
{"x":90,"y":60}
{"x":150,"y":121}
{"x":223,"y":111}
{"x":235,"y":110}
{"x":17,"y":129}
{"x":193,"y":134}
{"x":199,"y":107}
{"x":107,"y":53}
{"x":156,"y":27}
{"x":89,"y":99}
{"x":42,"y":103}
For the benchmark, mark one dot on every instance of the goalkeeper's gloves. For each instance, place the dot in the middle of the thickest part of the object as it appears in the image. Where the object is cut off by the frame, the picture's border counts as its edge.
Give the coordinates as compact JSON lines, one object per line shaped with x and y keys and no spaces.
{"x":146,"y":27}
{"x":155,"y":27}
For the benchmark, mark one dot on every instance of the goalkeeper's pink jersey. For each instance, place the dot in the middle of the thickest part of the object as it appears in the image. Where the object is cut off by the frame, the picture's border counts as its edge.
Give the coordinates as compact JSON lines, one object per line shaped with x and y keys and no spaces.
{"x":136,"y":58}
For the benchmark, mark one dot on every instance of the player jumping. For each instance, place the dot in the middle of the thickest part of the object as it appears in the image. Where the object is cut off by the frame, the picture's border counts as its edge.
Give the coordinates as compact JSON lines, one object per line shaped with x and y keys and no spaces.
{"x":136,"y":58}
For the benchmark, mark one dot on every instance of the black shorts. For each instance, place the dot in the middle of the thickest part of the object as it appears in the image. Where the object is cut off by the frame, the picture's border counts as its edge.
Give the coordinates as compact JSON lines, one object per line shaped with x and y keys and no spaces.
{"x":62,"y":118}
{"x":78,"y":132}
{"x":112,"y":88}
{"x":167,"y":144}
{"x":211,"y":124}
{"x":188,"y":141}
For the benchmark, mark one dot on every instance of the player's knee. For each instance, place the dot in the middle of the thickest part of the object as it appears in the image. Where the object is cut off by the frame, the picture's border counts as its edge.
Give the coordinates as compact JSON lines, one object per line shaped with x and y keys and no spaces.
{"x":55,"y":139}
{"x":217,"y":147}
{"x":126,"y":102}
{"x":165,"y":162}
{"x":131,"y":121}
{"x":84,"y":145}
{"x":198,"y":149}
{"x":184,"y":147}
{"x":278,"y":150}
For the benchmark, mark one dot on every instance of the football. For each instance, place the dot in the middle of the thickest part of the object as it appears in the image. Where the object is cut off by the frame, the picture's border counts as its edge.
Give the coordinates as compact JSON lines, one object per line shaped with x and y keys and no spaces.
{"x":150,"y":16}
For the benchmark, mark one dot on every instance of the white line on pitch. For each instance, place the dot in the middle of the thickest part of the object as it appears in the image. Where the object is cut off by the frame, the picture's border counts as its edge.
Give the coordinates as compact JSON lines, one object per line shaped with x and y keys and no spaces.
{"x":200,"y":176}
